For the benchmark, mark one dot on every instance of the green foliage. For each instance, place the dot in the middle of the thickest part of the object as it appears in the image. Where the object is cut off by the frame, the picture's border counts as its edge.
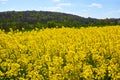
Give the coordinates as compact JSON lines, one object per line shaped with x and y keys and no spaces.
{"x":31,"y":19}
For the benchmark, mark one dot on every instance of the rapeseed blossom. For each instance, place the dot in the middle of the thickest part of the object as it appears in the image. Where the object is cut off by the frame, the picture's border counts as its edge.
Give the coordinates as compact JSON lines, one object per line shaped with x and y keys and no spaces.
{"x":61,"y":54}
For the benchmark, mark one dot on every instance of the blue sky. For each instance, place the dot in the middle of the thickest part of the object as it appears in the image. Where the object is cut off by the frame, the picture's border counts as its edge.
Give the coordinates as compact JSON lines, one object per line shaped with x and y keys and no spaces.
{"x":85,"y":8}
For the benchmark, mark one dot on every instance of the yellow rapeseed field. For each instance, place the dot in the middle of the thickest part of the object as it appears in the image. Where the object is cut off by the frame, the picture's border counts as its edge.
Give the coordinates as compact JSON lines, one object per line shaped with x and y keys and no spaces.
{"x":61,"y":54}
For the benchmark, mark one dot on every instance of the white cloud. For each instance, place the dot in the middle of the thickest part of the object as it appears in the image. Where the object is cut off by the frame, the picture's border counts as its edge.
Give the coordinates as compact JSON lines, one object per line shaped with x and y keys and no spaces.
{"x":58,"y":7}
{"x":64,"y":4}
{"x":55,"y":8}
{"x":56,"y":0}
{"x":84,"y":10}
{"x":96,"y":5}
{"x":3,"y":1}
{"x":113,"y":12}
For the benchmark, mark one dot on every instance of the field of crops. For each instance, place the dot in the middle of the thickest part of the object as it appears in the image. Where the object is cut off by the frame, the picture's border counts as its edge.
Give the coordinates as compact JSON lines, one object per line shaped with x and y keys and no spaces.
{"x":61,"y":54}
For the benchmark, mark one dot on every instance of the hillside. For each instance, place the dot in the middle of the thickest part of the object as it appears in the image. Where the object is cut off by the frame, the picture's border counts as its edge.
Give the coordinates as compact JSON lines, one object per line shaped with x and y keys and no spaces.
{"x":39,"y":19}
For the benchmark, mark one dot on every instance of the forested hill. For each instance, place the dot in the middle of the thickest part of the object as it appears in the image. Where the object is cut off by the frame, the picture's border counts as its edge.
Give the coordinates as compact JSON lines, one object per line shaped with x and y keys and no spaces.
{"x":39,"y":19}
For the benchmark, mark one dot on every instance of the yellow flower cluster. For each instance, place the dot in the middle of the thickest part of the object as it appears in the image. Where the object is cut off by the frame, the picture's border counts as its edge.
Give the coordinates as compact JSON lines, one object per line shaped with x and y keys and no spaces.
{"x":61,"y":54}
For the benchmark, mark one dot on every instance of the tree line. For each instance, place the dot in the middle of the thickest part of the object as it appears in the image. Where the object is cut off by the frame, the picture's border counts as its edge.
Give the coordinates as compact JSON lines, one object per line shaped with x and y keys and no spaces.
{"x":42,"y":19}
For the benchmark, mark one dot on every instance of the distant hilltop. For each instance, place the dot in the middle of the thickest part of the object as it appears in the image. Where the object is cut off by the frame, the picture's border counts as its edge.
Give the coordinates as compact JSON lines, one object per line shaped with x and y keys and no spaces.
{"x":43,"y":19}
